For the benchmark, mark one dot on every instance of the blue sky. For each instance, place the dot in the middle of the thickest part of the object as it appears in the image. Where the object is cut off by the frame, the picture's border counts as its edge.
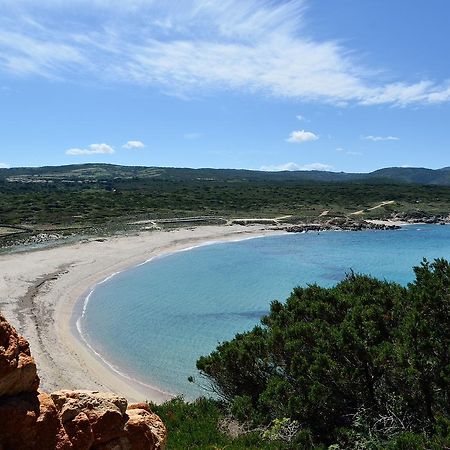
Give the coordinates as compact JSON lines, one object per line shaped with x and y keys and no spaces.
{"x":348,"y":85}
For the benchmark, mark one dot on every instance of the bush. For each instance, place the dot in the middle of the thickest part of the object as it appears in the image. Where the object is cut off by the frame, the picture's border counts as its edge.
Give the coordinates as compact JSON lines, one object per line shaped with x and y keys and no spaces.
{"x":364,"y":361}
{"x":201,"y":425}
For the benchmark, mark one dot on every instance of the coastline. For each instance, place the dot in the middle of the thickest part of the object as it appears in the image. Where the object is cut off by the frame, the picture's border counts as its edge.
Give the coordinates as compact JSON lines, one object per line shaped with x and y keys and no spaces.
{"x":39,"y":291}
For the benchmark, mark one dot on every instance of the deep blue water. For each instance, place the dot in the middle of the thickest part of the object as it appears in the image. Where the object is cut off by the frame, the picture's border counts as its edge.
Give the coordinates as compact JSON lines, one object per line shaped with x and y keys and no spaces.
{"x":153,"y":321}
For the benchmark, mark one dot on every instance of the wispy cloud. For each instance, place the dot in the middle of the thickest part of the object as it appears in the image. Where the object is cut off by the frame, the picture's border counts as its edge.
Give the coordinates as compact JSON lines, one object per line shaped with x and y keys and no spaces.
{"x":298,"y":137}
{"x":32,"y":55}
{"x":195,"y":46}
{"x":91,"y":150}
{"x":348,"y":152}
{"x":291,"y":166}
{"x":192,"y":136}
{"x":381,"y":138}
{"x":133,"y":145}
{"x":353,"y":153}
{"x":4,"y":166}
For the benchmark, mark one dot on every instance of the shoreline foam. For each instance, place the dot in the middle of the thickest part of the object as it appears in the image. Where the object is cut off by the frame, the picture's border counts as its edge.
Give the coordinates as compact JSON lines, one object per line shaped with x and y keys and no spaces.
{"x":39,"y":291}
{"x":83,"y":302}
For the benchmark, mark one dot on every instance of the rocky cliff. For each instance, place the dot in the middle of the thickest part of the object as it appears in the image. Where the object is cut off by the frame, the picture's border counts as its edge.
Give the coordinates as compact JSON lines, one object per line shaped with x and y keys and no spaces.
{"x":76,"y":420}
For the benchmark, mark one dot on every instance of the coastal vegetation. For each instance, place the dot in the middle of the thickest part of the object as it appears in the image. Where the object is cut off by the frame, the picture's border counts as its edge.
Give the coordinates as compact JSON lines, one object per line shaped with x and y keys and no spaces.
{"x":100,"y":198}
{"x":204,"y":425}
{"x":362,"y":365}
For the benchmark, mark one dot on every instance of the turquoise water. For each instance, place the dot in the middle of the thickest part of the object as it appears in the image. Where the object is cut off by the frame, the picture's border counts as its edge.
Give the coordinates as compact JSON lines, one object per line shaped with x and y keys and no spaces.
{"x":153,"y":321}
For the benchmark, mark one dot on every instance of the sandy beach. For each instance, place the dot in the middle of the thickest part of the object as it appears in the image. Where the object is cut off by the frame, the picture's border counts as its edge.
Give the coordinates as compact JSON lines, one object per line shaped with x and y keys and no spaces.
{"x":39,"y":290}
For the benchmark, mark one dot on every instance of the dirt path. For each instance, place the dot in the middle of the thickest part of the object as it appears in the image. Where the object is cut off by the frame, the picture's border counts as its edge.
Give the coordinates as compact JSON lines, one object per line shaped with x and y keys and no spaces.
{"x":362,"y":211}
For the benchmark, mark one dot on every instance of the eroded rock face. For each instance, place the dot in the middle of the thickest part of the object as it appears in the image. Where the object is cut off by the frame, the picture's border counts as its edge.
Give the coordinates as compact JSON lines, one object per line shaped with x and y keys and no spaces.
{"x":102,"y":416}
{"x":142,"y":421}
{"x":17,"y":367}
{"x":76,"y":420}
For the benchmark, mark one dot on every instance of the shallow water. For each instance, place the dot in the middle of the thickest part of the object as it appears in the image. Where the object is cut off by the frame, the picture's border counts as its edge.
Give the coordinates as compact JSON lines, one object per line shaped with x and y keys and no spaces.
{"x":153,"y":321}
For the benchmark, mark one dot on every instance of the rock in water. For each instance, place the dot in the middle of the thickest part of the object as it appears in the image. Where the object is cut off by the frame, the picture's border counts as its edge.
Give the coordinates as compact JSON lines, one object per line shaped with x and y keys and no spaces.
{"x":76,"y":420}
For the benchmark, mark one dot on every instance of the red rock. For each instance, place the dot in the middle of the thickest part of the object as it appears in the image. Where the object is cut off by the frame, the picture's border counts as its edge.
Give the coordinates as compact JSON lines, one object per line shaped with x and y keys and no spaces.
{"x":17,"y":367}
{"x":80,"y":431}
{"x":141,"y":405}
{"x":105,"y":412}
{"x":30,"y":421}
{"x":145,"y":430}
{"x":65,"y":420}
{"x":49,"y":430}
{"x":18,"y":416}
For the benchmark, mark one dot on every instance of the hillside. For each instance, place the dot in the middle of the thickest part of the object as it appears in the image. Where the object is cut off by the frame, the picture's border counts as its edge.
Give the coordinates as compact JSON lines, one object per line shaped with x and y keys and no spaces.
{"x":38,"y":204}
{"x":91,"y":172}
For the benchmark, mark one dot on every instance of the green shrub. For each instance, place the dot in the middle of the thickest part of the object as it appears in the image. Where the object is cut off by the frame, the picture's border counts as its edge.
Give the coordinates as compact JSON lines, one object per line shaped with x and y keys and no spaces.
{"x":365,"y":363}
{"x":197,"y":425}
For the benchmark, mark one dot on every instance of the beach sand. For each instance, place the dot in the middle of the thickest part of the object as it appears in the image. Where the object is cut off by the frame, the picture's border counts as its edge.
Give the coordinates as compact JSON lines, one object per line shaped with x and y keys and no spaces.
{"x":39,"y":290}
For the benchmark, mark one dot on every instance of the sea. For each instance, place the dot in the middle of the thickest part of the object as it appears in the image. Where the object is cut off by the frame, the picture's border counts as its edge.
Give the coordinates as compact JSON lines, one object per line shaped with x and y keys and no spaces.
{"x":153,"y":321}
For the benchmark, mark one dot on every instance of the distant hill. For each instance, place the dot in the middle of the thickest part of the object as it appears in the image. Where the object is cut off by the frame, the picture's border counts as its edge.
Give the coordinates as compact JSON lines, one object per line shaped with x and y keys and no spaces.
{"x":96,"y":172}
{"x":414,"y":175}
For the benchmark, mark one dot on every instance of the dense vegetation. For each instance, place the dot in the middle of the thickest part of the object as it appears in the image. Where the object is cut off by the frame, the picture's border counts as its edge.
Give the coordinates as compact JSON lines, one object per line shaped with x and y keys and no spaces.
{"x":73,"y":197}
{"x":203,"y":425}
{"x":77,"y":172}
{"x":365,"y":364}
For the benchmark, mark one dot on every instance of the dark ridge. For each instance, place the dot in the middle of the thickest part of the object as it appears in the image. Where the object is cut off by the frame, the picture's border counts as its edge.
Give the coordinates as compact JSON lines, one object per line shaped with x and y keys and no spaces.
{"x":98,"y":172}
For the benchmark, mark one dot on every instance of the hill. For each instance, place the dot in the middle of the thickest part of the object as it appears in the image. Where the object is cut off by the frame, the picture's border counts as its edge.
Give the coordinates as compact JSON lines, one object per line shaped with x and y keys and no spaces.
{"x":65,"y":201}
{"x":97,"y":172}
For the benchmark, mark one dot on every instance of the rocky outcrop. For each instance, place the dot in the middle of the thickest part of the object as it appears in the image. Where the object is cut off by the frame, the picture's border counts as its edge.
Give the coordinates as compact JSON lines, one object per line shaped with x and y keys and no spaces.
{"x":76,"y":420}
{"x":338,"y":223}
{"x":17,"y":367}
{"x":422,"y":217}
{"x":348,"y":224}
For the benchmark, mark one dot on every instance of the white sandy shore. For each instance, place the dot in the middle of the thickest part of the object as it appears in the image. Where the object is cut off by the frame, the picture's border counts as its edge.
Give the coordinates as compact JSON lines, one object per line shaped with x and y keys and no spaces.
{"x":39,"y":289}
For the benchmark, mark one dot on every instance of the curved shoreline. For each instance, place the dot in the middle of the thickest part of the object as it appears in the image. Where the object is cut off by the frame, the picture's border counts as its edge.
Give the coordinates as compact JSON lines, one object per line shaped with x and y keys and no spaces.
{"x":39,"y":291}
{"x":80,"y":305}
{"x":78,"y":334}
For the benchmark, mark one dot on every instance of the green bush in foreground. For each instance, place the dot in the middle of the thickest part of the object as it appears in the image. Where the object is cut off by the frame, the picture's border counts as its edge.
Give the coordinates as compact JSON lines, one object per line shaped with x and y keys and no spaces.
{"x":365,"y":364}
{"x":197,"y":425}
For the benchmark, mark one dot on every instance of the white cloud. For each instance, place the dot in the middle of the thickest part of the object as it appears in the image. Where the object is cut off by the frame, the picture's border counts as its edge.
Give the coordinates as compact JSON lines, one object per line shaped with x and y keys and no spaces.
{"x":133,"y":145}
{"x":91,"y":150}
{"x":29,"y":55}
{"x":190,"y":47}
{"x":291,"y":166}
{"x":381,"y":138}
{"x":4,"y":166}
{"x":403,"y":94}
{"x":301,"y":118}
{"x":297,"y":137}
